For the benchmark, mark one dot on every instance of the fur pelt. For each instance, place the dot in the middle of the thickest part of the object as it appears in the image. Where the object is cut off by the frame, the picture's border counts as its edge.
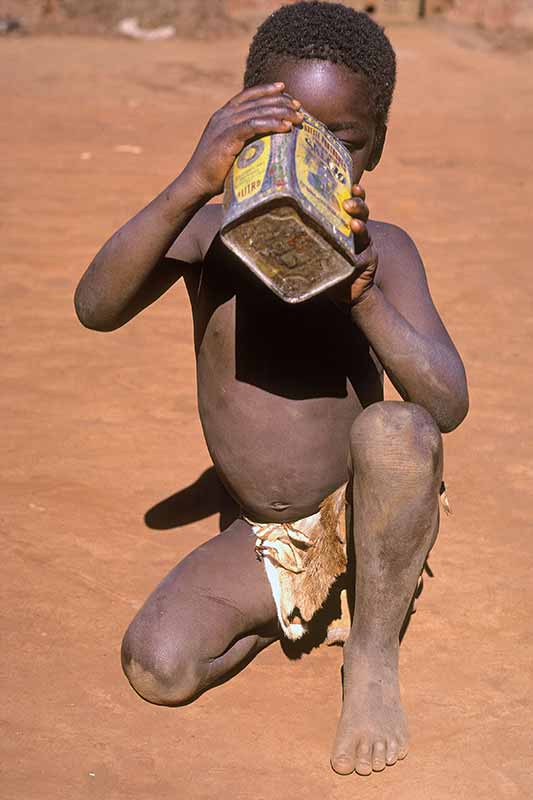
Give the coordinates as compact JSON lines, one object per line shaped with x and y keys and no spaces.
{"x":302,"y":560}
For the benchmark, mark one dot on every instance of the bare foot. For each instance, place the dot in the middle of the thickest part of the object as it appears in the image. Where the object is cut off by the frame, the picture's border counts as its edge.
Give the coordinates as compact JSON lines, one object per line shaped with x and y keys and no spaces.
{"x":372,"y":730}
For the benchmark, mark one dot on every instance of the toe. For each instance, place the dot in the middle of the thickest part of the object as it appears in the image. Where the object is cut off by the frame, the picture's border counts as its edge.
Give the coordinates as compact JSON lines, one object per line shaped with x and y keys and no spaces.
{"x":379,"y":754}
{"x":342,"y":763}
{"x":343,"y":753}
{"x":403,"y":747}
{"x":392,"y":752}
{"x":363,"y":758}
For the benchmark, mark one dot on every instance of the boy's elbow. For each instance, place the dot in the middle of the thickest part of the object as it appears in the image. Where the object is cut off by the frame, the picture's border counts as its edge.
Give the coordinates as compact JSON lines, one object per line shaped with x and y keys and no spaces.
{"x":455,"y":412}
{"x":451,"y":420}
{"x":88,"y":315}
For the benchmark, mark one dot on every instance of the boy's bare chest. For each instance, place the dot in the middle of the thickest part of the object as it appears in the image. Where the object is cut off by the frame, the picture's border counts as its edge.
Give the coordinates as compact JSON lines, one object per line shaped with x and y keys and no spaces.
{"x":308,"y":350}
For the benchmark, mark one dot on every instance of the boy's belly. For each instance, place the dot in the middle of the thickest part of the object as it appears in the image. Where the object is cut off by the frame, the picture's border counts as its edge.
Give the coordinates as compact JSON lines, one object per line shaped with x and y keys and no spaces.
{"x":275,"y":399}
{"x":278,"y":457}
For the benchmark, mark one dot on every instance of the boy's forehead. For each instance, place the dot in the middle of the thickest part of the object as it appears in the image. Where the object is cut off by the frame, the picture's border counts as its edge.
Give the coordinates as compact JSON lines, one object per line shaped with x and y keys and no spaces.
{"x":331,"y":92}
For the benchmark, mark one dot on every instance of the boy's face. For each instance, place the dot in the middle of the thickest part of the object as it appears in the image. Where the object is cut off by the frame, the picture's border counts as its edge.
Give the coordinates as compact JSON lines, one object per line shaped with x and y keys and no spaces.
{"x":339,"y":98}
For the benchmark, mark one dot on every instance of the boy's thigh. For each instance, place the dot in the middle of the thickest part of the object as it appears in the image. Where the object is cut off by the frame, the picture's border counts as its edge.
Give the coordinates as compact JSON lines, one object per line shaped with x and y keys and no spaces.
{"x":218,"y":593}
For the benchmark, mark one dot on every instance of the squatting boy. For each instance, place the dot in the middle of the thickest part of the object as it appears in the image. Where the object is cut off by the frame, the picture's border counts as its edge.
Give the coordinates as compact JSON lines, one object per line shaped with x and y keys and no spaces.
{"x":292,"y":416}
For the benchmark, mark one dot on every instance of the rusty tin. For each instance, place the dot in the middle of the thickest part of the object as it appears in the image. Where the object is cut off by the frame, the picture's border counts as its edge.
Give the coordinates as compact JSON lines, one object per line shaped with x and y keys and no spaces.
{"x":283,"y":210}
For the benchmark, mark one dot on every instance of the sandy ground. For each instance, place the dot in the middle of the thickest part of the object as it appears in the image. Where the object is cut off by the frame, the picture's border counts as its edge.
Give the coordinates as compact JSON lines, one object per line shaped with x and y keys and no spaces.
{"x":100,"y":428}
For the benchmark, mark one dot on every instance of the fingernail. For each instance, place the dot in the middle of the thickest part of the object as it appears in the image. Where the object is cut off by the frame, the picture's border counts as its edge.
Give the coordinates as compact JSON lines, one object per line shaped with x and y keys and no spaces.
{"x":296,"y":104}
{"x":279,"y":84}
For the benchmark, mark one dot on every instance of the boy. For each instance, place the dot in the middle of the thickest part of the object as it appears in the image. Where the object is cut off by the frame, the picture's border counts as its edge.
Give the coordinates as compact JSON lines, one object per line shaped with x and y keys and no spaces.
{"x":291,"y":397}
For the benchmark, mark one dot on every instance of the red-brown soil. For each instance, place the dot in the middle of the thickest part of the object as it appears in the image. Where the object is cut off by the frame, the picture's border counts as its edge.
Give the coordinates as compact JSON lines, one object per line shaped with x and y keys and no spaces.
{"x":99,"y":428}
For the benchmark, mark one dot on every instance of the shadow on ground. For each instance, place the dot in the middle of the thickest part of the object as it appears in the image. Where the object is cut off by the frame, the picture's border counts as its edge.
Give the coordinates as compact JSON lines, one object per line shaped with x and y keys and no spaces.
{"x":204,"y":497}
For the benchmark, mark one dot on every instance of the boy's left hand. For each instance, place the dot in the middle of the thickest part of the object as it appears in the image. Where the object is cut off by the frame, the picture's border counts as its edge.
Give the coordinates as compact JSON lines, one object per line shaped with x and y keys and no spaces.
{"x":367,"y":257}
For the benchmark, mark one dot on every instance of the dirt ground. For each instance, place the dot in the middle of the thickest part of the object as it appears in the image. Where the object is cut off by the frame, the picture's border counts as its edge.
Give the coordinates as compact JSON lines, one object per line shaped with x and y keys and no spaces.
{"x":100,"y":429}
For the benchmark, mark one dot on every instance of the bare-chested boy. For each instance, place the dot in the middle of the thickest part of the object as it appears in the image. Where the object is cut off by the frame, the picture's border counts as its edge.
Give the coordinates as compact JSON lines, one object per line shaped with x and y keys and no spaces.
{"x":291,"y":397}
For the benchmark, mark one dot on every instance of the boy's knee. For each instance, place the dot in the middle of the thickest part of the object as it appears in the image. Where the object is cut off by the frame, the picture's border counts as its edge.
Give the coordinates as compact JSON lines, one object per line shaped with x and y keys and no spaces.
{"x":396,"y":434}
{"x":160,"y":677}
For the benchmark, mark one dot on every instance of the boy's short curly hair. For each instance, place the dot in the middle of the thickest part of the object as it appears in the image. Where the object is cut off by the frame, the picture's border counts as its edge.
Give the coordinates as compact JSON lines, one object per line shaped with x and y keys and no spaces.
{"x":328,"y":31}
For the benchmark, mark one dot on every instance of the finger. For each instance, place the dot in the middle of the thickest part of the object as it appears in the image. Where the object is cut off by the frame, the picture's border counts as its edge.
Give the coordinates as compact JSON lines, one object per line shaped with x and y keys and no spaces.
{"x":361,"y":235}
{"x":358,"y":191}
{"x":283,"y":100}
{"x":262,"y":90}
{"x":357,"y":208}
{"x":256,"y":126}
{"x":275,"y":112}
{"x":293,"y":100}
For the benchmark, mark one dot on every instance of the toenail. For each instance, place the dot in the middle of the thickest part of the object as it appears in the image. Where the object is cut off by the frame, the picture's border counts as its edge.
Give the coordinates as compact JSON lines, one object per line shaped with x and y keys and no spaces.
{"x":342,"y":765}
{"x":341,"y":760}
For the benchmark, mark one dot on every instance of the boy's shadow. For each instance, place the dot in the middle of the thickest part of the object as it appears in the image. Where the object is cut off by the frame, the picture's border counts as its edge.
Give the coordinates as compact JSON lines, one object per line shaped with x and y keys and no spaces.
{"x":204,"y":497}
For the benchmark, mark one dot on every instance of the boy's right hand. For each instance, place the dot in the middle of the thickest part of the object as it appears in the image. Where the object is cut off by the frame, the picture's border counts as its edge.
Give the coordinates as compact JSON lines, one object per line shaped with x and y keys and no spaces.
{"x":253,"y":112}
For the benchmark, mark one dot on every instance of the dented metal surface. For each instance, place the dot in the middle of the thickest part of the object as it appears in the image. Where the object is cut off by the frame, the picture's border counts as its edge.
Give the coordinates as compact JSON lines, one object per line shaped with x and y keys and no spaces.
{"x":284,"y":214}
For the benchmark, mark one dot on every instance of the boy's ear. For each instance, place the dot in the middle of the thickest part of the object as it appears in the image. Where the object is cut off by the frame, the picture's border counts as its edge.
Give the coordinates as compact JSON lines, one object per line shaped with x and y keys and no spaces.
{"x":377,"y":150}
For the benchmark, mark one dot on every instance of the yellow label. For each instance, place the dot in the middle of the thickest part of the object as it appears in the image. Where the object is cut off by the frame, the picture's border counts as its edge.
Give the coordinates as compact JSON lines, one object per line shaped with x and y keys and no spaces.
{"x":323,"y":177}
{"x":250,"y":169}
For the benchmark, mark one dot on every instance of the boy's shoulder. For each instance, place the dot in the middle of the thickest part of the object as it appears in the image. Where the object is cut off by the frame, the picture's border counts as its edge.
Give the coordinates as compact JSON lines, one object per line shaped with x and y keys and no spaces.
{"x":207,"y":223}
{"x":386,"y":235}
{"x":395,"y":248}
{"x":208,"y":220}
{"x":194,"y":241}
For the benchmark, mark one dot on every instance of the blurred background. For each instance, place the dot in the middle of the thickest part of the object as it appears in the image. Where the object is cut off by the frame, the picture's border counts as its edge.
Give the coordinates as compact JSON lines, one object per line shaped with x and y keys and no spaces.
{"x":199,"y":17}
{"x":106,"y":480}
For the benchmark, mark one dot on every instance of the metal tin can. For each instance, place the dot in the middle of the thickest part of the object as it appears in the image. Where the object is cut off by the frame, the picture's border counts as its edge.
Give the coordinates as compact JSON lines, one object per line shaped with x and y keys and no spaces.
{"x":283,"y":212}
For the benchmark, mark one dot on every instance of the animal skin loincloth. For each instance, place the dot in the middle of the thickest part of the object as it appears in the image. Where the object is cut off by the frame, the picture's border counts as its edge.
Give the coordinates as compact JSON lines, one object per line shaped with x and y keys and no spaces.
{"x":304,"y":558}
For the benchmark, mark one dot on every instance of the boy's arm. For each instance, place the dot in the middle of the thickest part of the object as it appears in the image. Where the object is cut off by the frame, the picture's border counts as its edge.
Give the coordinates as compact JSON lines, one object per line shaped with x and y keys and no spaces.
{"x":397,"y":315}
{"x":131,"y":270}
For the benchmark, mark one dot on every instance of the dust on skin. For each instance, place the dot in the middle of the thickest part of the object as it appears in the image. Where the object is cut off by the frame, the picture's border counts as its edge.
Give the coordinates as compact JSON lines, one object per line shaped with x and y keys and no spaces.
{"x":284,"y":415}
